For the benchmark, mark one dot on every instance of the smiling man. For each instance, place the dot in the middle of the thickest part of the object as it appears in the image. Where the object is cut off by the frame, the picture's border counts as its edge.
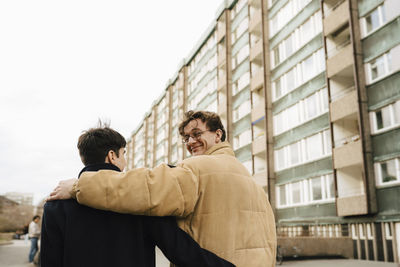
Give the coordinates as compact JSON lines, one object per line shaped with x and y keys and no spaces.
{"x":211,"y":193}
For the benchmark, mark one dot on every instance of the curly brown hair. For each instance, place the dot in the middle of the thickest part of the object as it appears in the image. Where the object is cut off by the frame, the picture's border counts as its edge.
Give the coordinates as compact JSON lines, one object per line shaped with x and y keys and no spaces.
{"x":211,"y":119}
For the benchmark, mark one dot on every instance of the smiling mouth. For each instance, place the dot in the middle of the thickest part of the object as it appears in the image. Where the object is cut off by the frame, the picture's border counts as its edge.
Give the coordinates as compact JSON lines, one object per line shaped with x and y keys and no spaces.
{"x":194,"y":148}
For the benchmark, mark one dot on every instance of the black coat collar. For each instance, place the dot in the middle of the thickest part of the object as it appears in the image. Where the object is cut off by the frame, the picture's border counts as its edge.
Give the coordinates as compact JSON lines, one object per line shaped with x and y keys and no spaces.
{"x":99,"y":166}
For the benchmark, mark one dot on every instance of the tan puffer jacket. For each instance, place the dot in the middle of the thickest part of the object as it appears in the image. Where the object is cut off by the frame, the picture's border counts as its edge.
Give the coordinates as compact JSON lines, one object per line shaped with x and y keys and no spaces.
{"x":213,"y":195}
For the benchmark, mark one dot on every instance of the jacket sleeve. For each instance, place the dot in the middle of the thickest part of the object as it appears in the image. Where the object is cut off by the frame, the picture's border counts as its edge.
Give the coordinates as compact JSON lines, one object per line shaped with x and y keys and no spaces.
{"x":178,"y":246}
{"x":161,"y":191}
{"x":52,"y":238}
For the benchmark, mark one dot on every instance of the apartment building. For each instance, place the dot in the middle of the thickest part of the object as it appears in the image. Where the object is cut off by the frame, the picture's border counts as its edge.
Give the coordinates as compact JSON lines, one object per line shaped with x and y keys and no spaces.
{"x":309,"y":93}
{"x":20,"y":198}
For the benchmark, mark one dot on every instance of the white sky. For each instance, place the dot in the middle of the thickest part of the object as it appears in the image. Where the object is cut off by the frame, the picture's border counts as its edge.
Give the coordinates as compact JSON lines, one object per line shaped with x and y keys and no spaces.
{"x":65,"y":64}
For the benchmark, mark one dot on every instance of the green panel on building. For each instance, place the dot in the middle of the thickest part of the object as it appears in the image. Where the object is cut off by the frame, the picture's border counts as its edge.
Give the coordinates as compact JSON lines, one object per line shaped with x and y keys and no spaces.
{"x":365,"y":6}
{"x":386,"y":145}
{"x":206,"y":101}
{"x":312,"y":169}
{"x":301,"y":54}
{"x":204,"y":60}
{"x":244,"y":12}
{"x":310,"y":9}
{"x":240,"y":97}
{"x":242,"y":125}
{"x":242,"y":41}
{"x":316,"y":213}
{"x":240,"y":70}
{"x":309,"y":128}
{"x":244,"y":153}
{"x":388,"y":200}
{"x":382,"y":40}
{"x":384,"y":92}
{"x":301,"y":92}
{"x":276,"y":7}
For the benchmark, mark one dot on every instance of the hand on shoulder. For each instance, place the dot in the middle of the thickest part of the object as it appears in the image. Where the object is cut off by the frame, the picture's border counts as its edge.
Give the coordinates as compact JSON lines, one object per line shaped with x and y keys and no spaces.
{"x":63,"y":190}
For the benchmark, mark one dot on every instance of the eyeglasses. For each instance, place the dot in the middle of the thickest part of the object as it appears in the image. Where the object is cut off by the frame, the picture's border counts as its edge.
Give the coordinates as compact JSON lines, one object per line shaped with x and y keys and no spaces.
{"x":194,"y":135}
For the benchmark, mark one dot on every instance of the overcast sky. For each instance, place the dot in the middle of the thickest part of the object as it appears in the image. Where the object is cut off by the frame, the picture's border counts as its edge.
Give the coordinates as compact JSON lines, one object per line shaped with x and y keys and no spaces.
{"x":66,"y":64}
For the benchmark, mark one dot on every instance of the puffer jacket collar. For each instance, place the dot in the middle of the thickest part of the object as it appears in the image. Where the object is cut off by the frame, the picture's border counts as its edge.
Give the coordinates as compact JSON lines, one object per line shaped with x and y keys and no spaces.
{"x":221,"y":148}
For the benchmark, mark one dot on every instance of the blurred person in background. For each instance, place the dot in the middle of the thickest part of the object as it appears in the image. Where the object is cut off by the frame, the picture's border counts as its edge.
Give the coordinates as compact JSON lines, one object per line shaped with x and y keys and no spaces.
{"x":34,"y":234}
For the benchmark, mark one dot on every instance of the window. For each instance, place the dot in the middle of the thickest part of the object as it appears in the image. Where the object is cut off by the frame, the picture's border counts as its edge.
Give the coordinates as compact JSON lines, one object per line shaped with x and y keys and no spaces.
{"x":301,"y":112}
{"x":385,"y":118}
{"x":309,"y":191}
{"x":241,"y":111}
{"x":297,"y":39}
{"x":301,"y":73}
{"x":294,"y":153}
{"x":316,"y":146}
{"x":316,"y":189}
{"x":240,"y":56}
{"x":282,"y":195}
{"x":312,"y":106}
{"x":388,"y":172}
{"x":278,"y":88}
{"x":379,"y":67}
{"x":241,"y":83}
{"x":242,"y":139}
{"x":285,"y":14}
{"x":296,"y":193}
{"x":374,"y":20}
{"x":242,"y":28}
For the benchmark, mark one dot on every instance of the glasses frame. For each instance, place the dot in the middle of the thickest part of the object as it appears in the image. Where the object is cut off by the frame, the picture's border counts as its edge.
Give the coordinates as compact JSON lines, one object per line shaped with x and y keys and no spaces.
{"x":196,"y":136}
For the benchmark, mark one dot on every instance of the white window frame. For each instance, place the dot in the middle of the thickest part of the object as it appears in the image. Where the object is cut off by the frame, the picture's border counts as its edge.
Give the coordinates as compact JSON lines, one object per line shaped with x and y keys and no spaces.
{"x":393,"y":124}
{"x":386,"y":65}
{"x":381,"y":15}
{"x":378,"y":173}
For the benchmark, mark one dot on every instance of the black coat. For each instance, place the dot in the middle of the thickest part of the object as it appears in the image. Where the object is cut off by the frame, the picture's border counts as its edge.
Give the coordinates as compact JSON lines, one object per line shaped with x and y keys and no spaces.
{"x":78,"y":236}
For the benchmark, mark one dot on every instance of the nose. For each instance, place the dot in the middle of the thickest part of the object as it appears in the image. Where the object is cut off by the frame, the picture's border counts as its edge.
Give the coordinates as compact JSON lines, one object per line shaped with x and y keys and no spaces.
{"x":191,"y":140}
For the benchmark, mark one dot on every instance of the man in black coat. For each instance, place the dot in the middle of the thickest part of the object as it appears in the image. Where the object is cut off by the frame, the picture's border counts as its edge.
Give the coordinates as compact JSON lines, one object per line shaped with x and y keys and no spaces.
{"x":78,"y":236}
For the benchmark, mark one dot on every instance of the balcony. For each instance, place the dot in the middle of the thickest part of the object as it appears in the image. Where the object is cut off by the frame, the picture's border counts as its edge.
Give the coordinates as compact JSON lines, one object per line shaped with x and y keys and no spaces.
{"x":257,"y":80}
{"x":261,"y":178}
{"x":258,"y":111}
{"x":256,"y":52}
{"x":343,"y":60}
{"x":221,"y":32}
{"x":222,"y":108}
{"x":255,"y":3}
{"x":353,"y":205}
{"x":344,"y":106}
{"x":337,"y":18}
{"x":259,"y":144}
{"x":255,"y":23}
{"x":348,"y":155}
{"x":221,"y":56}
{"x":221,"y":83}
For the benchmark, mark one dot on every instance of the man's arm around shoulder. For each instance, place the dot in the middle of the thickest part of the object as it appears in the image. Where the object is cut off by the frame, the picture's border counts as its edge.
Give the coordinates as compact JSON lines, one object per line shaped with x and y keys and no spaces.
{"x":162,"y":191}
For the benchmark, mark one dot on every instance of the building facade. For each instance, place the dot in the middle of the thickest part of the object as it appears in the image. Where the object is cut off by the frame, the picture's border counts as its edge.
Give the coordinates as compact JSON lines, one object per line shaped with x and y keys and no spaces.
{"x":309,"y":93}
{"x":20,"y":198}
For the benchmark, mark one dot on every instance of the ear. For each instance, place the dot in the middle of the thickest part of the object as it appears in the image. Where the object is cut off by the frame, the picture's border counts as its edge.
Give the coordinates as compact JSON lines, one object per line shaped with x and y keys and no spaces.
{"x":110,"y":158}
{"x":218,"y":135}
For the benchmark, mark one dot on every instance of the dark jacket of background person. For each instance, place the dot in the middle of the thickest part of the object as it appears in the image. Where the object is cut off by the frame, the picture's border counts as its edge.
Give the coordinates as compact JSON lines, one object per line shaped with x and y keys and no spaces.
{"x":74,"y":235}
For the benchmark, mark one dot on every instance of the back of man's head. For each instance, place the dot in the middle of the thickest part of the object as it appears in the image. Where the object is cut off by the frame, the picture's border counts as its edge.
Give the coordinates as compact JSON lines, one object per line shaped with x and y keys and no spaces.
{"x":95,"y":143}
{"x":211,"y":119}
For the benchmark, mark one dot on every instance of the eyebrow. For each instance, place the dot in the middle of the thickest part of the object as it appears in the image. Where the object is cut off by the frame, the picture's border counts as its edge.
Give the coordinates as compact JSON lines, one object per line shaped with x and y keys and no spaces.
{"x":194,"y":129}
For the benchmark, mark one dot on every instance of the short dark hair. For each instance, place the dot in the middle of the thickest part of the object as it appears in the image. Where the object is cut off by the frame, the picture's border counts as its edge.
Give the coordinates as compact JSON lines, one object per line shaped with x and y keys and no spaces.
{"x":211,"y":119}
{"x":35,"y":217}
{"x":95,"y":143}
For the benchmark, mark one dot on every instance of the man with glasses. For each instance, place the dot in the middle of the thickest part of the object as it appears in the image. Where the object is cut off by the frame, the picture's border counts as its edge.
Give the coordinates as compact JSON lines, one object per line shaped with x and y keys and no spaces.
{"x":211,"y":193}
